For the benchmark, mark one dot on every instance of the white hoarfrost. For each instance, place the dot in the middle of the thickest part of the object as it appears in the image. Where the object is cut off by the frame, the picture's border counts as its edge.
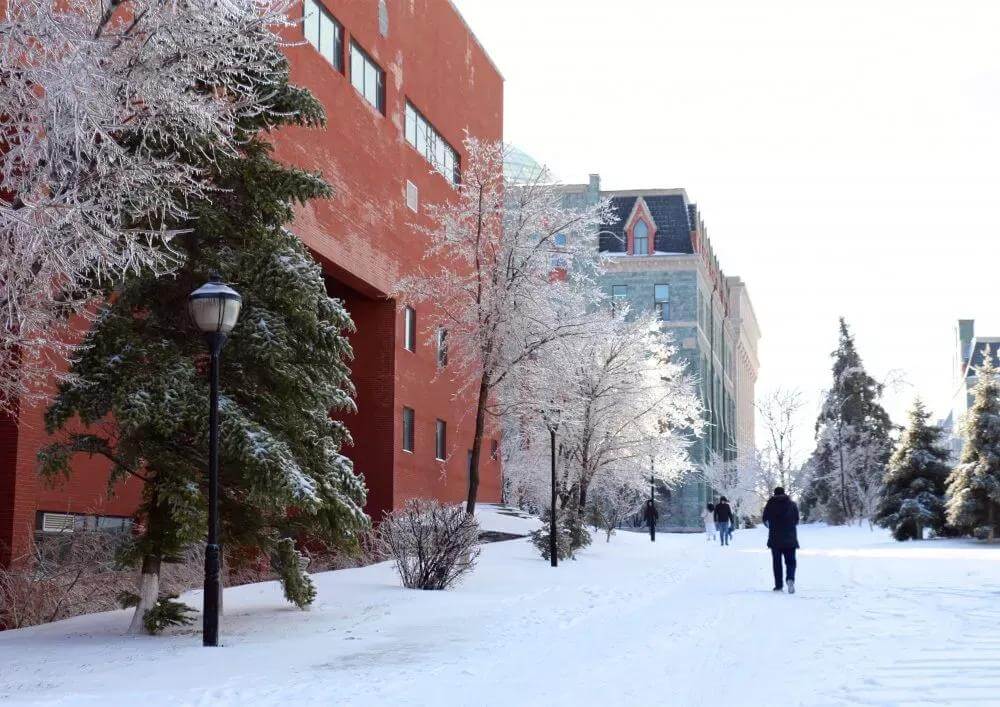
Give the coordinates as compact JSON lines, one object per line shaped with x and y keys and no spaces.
{"x":99,"y":100}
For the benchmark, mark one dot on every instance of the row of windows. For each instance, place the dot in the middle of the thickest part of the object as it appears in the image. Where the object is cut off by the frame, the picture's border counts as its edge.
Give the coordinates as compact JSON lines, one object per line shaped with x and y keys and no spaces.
{"x":410,"y":336}
{"x":429,"y":143}
{"x":661,"y":299}
{"x":326,"y":34}
{"x":440,"y":437}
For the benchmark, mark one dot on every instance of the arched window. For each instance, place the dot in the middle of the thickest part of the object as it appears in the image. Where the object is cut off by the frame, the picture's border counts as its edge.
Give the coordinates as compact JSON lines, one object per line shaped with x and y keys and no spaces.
{"x":640,"y":238}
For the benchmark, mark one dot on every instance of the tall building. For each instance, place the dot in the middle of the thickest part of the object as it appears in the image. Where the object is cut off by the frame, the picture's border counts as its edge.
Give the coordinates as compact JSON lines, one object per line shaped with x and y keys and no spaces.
{"x":402,"y":82}
{"x":658,"y":258}
{"x":970,"y":352}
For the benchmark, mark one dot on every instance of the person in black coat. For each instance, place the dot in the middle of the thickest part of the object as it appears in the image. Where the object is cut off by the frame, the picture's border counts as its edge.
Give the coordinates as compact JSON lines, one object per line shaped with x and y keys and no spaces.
{"x":723,"y":519}
{"x":781,"y":516}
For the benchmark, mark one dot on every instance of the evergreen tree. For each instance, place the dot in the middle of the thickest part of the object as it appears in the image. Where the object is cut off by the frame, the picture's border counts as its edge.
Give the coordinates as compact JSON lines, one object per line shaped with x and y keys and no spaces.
{"x":853,"y":442}
{"x":973,"y":504}
{"x":140,"y":385}
{"x":914,"y":488}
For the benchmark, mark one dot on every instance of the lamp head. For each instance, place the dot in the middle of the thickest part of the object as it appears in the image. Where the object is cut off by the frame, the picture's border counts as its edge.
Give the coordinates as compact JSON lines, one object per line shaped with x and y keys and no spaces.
{"x":214,"y":307}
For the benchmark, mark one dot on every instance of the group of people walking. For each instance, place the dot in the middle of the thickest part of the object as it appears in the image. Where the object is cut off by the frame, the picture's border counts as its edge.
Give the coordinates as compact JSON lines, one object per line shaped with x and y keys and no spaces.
{"x":719,"y":519}
{"x":780,"y":517}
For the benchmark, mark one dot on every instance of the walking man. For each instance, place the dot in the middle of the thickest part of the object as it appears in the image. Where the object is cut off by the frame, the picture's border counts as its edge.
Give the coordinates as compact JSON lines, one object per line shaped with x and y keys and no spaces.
{"x":781,"y":516}
{"x":723,"y":519}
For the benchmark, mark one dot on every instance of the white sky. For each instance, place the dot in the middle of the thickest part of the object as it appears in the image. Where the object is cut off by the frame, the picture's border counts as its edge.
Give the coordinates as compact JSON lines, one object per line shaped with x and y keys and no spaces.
{"x":845,"y":156}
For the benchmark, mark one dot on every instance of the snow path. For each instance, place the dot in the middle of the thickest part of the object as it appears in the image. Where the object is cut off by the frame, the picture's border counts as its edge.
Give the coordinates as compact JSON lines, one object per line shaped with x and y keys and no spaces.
{"x":679,"y":622}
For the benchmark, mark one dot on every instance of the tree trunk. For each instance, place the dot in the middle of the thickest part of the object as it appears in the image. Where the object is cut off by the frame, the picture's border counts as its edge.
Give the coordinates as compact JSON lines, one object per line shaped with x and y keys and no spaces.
{"x":149,"y":593}
{"x":477,"y":445}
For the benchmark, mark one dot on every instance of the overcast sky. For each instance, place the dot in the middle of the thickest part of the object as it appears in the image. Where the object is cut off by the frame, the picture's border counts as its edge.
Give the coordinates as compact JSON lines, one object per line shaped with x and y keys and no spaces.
{"x":845,"y":156}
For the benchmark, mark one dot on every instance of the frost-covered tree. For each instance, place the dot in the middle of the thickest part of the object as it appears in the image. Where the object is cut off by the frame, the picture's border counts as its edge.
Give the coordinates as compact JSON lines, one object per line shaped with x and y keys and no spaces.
{"x":500,"y":250}
{"x":628,"y":409}
{"x":973,"y":504}
{"x":914,"y":486}
{"x":777,"y":463}
{"x":736,"y":480}
{"x":99,"y":101}
{"x":139,"y":383}
{"x":853,"y":441}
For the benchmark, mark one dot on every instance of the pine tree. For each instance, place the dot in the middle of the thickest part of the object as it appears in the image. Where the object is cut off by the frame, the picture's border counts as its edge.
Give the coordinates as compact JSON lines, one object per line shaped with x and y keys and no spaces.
{"x":853,"y":442}
{"x":973,"y":504}
{"x":914,"y":489}
{"x":140,"y":384}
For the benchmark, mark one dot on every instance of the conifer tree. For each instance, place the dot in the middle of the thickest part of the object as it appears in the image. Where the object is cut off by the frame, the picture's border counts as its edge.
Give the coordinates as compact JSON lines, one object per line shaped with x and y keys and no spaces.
{"x":853,"y":441}
{"x":914,"y":485}
{"x":973,"y":504}
{"x":139,"y":382}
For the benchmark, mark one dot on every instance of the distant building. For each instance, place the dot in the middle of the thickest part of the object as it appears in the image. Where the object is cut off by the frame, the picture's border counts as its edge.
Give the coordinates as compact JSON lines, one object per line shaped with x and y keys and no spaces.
{"x":658,"y":257}
{"x":970,"y":352}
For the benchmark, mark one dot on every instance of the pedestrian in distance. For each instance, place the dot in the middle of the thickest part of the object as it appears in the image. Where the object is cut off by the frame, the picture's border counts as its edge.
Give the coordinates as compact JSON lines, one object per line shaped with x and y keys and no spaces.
{"x":781,"y":516}
{"x":723,"y":517}
{"x":708,"y":518}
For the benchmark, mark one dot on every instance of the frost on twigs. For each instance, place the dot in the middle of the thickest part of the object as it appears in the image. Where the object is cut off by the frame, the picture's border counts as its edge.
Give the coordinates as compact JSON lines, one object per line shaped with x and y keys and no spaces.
{"x":102,"y":104}
{"x":432,"y":544}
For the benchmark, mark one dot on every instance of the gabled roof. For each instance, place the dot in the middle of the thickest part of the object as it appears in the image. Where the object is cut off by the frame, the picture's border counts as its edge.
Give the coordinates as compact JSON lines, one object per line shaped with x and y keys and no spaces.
{"x":670,"y":211}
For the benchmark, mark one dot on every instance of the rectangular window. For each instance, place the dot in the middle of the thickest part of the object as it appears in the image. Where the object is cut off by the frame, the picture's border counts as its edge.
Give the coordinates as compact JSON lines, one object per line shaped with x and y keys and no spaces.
{"x":661,"y":299}
{"x":407,"y":429}
{"x":429,"y":143}
{"x":367,"y":77}
{"x":494,"y":449}
{"x":410,"y":329}
{"x":412,"y":196}
{"x":442,"y":347}
{"x":640,"y":245}
{"x":441,"y":440}
{"x":619,"y":297}
{"x":323,"y":31}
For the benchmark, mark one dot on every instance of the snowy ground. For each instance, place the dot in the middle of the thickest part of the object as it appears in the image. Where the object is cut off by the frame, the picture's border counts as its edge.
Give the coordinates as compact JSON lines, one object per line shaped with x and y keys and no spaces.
{"x":678,"y":622}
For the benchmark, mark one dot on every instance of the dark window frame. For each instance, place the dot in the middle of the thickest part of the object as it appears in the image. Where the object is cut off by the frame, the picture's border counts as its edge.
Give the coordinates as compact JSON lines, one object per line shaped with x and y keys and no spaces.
{"x":410,"y":329}
{"x":368,"y":62}
{"x":440,"y":440}
{"x":409,"y":434}
{"x":321,"y":12}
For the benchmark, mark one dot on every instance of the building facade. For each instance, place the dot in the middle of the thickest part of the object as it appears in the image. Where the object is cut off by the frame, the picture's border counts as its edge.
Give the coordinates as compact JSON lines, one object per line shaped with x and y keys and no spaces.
{"x":970,"y":353}
{"x":402,"y":82}
{"x":658,"y":258}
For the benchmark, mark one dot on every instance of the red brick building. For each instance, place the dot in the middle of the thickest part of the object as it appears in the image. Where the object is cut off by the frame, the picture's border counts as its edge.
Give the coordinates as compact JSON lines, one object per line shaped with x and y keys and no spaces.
{"x":402,"y":82}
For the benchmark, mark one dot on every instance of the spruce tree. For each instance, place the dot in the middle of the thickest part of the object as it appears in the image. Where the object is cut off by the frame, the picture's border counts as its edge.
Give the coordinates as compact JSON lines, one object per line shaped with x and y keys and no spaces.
{"x":914,"y":485}
{"x":973,"y":504}
{"x":853,"y":441}
{"x":139,"y":382}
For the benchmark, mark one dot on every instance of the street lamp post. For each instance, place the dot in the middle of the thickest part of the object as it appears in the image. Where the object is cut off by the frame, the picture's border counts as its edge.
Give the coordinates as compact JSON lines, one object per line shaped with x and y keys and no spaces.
{"x":214,"y":309}
{"x":652,"y":502}
{"x":552,"y":416}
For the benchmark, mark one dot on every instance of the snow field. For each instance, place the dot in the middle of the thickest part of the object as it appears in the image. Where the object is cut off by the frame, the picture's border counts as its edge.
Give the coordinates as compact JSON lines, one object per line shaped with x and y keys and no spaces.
{"x":679,"y":622}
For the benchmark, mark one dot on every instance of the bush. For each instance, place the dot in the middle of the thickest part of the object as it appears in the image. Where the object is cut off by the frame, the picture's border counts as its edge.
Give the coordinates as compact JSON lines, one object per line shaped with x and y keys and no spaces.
{"x":290,"y":564}
{"x":61,"y":576}
{"x":431,"y":543}
{"x":571,"y":534}
{"x":167,"y":612}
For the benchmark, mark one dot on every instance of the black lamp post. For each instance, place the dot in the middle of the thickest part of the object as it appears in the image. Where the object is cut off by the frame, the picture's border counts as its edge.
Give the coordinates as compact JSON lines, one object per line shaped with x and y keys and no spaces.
{"x":652,"y":501}
{"x":214,"y":309}
{"x":552,"y":422}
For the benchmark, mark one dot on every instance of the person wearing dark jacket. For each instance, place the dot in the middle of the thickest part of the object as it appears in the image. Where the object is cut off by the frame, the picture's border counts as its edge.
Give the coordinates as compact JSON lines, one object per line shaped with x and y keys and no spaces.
{"x":781,"y":516}
{"x":723,"y":519}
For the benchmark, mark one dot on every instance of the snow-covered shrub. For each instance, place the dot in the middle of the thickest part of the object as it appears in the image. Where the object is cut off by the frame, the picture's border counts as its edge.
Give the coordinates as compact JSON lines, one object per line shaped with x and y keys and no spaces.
{"x":611,"y":504}
{"x":166,"y":612}
{"x":432,"y":544}
{"x":571,"y":534}
{"x":62,"y":576}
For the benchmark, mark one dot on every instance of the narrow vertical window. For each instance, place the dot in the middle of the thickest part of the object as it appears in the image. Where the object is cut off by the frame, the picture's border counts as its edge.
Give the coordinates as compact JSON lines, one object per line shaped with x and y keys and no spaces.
{"x":619,"y":297}
{"x":441,"y":440}
{"x":661,"y":300}
{"x":494,"y":449}
{"x":442,"y":347}
{"x":640,"y":238}
{"x":407,"y":429}
{"x":410,"y":329}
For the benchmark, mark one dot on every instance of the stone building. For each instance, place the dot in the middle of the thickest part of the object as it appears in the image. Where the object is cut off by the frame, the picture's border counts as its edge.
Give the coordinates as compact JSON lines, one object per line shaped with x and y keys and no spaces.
{"x":658,"y":257}
{"x":970,"y":352}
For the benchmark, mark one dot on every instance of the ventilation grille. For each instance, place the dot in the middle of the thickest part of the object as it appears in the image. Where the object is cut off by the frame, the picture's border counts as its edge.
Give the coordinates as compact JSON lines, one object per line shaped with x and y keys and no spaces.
{"x":57,"y":523}
{"x":412,"y":196}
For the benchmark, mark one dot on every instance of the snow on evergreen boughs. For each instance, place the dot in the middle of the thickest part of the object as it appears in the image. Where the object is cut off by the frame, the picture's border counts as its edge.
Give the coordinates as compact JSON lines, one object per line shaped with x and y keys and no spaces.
{"x":853,"y":442}
{"x":914,"y":485}
{"x":140,"y":381}
{"x":973,"y":504}
{"x":102,"y":104}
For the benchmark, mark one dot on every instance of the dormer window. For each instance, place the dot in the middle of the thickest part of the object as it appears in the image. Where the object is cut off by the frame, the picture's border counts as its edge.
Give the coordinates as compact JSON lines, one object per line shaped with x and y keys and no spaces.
{"x":640,"y":238}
